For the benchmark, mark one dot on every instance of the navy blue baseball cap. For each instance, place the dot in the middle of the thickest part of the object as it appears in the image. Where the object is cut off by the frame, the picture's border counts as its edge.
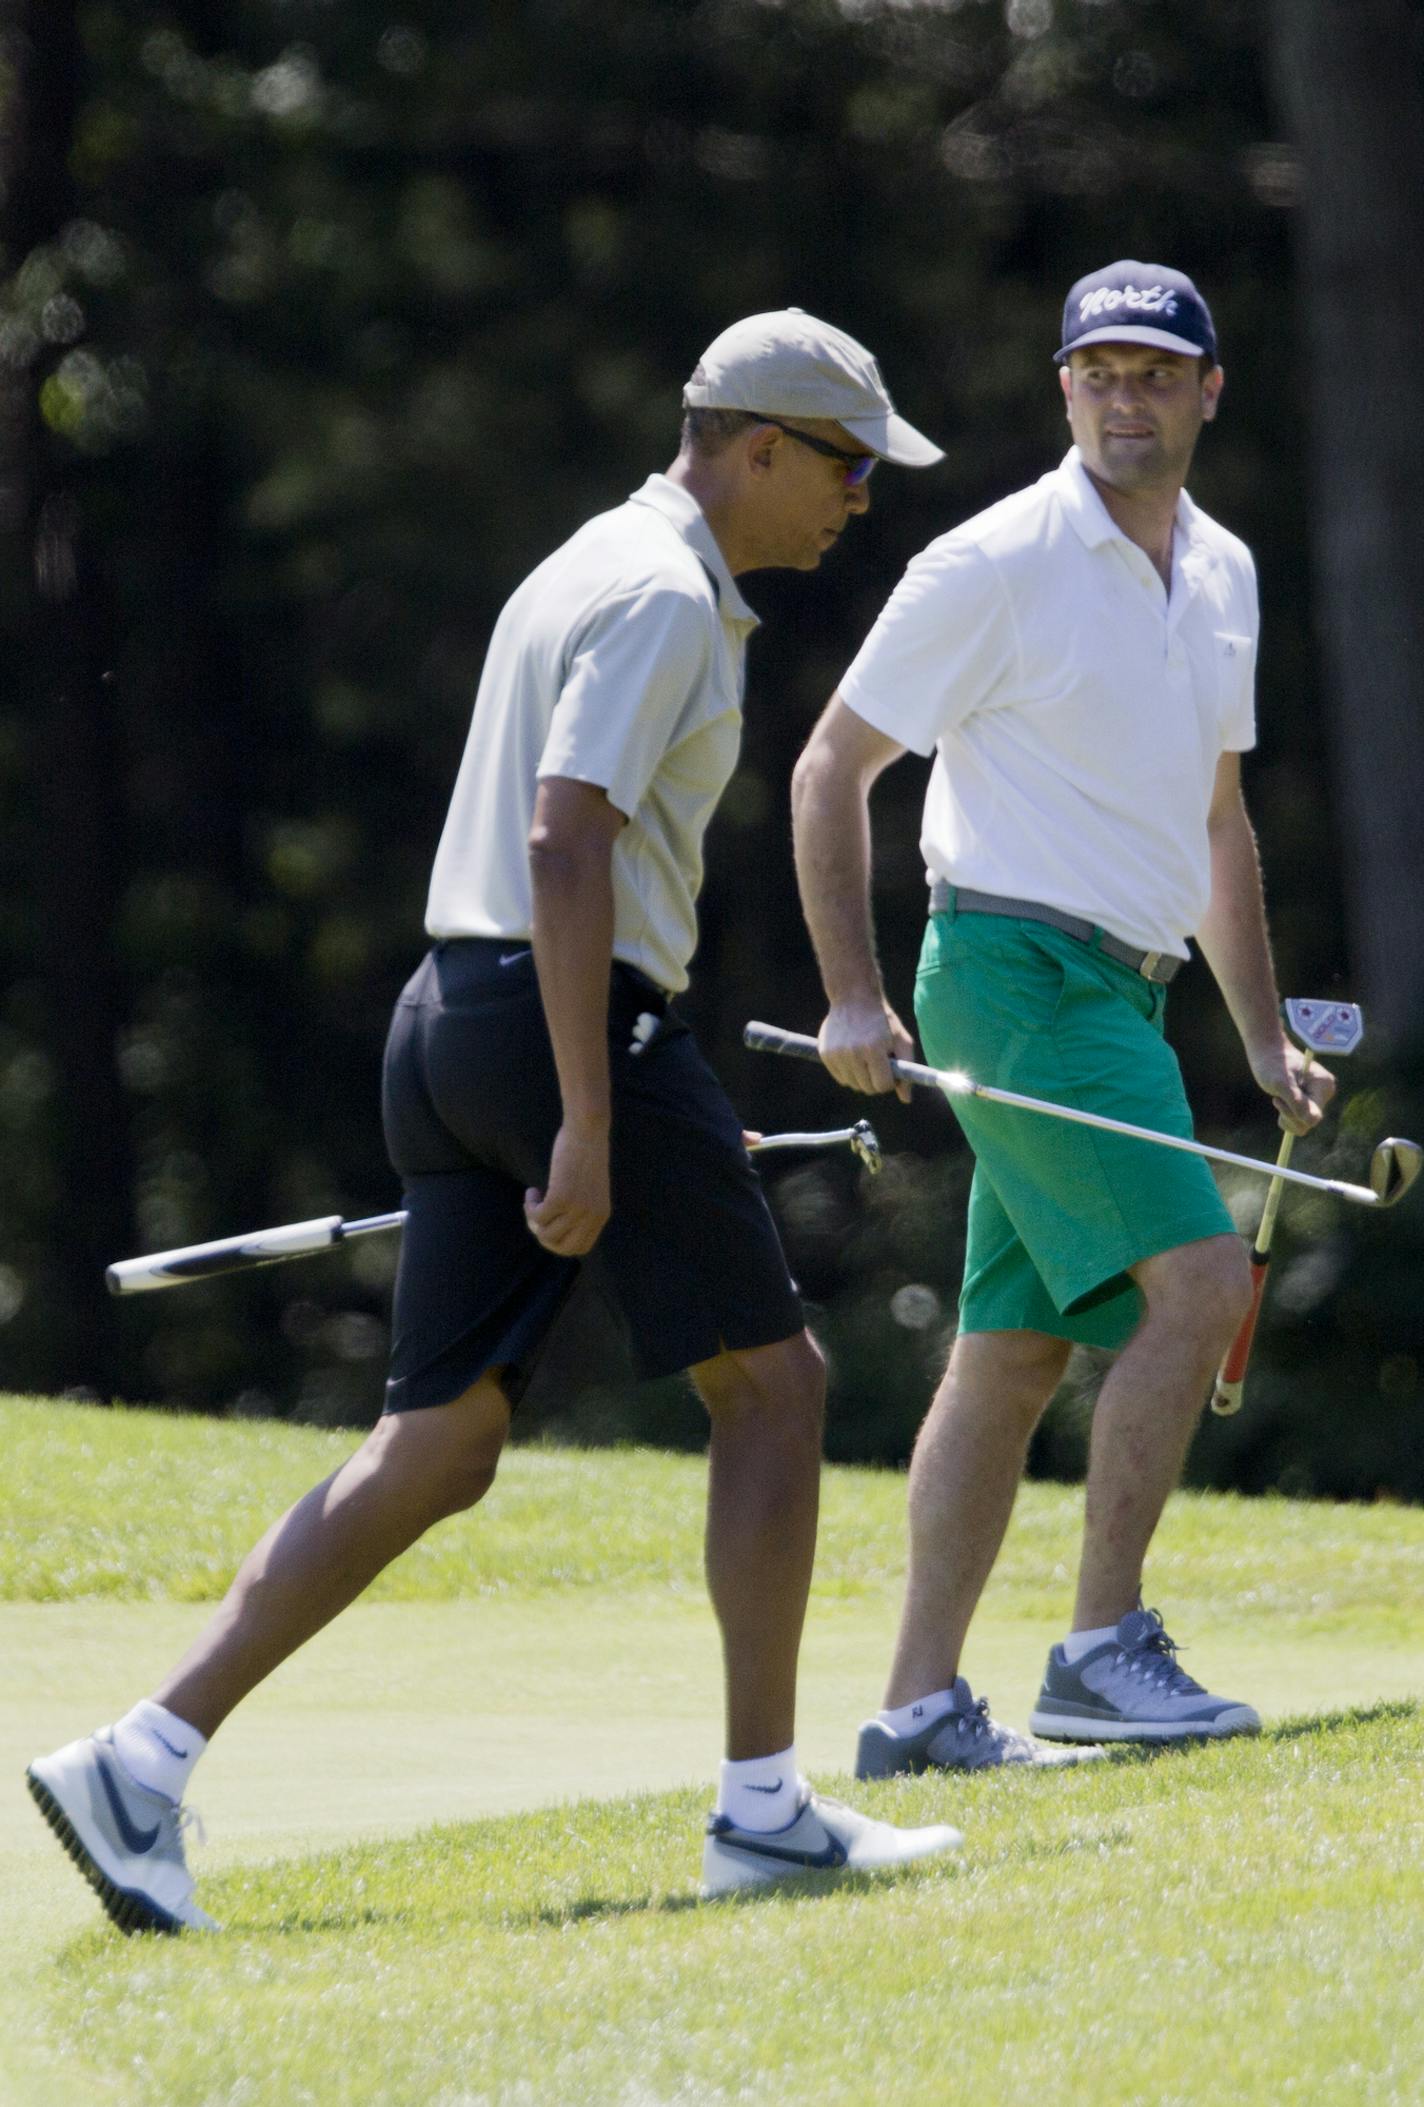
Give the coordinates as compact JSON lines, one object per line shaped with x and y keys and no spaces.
{"x":1138,"y":303}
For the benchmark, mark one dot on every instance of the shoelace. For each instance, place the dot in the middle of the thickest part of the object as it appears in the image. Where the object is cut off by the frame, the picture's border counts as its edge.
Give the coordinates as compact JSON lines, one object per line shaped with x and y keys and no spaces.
{"x":978,"y":1721}
{"x":981,"y":1721}
{"x":187,"y":1821}
{"x":1154,"y":1661}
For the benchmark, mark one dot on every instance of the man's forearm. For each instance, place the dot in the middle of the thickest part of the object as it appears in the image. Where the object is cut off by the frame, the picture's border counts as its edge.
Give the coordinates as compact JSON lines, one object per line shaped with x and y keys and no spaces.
{"x":1233,"y":936}
{"x":831,"y":833}
{"x":573,"y":952}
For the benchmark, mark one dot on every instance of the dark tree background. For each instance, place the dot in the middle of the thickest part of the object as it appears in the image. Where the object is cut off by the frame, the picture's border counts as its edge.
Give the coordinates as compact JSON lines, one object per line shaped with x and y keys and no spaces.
{"x":320,"y":323}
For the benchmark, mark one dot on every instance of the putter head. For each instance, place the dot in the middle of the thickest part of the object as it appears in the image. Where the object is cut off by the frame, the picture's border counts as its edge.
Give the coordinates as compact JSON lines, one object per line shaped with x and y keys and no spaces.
{"x":1394,"y":1167}
{"x":865,"y":1145}
{"x":1325,"y":1027}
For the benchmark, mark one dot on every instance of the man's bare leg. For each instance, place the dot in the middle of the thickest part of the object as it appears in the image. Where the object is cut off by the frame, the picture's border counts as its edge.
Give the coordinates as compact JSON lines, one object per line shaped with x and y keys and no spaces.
{"x":1147,"y":1411}
{"x":766,"y":1406}
{"x":969,"y":1458}
{"x":412,"y":1470}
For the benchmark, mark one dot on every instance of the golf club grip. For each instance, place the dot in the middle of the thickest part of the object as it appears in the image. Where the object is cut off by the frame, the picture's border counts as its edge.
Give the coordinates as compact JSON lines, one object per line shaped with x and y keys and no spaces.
{"x":1231,"y":1377}
{"x":226,"y":1254}
{"x":769,"y":1038}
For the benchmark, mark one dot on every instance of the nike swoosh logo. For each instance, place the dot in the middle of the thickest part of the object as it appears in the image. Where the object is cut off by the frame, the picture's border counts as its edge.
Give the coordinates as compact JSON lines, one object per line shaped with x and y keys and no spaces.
{"x":135,"y":1839}
{"x":831,"y":1853}
{"x":767,"y":1788}
{"x":181,"y":1754}
{"x":507,"y":958}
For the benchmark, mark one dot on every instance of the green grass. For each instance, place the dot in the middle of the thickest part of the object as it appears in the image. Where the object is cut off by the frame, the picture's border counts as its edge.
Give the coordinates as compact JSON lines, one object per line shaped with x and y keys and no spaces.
{"x":149,"y":1506}
{"x":1236,"y":1923}
{"x":1239,"y":1923}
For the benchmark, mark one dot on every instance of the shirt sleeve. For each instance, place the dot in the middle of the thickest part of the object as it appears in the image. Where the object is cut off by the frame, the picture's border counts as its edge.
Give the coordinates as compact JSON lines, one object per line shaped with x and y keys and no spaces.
{"x":1239,"y":718}
{"x":944,"y":642}
{"x":635,"y":670}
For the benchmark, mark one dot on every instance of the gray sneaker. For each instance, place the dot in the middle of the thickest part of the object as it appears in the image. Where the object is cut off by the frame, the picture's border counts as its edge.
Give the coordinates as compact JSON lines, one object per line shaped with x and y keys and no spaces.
{"x":1131,"y":1688}
{"x":966,"y":1737}
{"x":824,"y":1837}
{"x":125,"y":1840}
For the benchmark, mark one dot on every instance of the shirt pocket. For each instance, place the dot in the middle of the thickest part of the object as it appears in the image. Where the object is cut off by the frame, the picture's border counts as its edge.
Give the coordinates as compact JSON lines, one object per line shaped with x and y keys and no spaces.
{"x":1234,"y":655}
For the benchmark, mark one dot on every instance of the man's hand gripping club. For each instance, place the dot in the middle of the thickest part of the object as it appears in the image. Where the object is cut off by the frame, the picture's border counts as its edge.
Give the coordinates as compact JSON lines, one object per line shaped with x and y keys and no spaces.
{"x":858,"y":1041}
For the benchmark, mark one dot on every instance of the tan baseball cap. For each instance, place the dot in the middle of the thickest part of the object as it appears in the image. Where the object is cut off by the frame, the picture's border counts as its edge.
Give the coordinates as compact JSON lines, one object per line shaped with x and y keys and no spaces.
{"x":788,"y":364}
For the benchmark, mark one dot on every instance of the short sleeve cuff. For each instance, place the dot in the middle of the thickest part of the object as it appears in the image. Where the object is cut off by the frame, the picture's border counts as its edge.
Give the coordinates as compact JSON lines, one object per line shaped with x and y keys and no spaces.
{"x":881,"y":716}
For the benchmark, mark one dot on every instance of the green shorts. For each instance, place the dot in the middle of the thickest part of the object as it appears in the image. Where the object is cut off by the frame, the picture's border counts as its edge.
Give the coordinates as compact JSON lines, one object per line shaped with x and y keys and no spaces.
{"x":1057,"y":1212}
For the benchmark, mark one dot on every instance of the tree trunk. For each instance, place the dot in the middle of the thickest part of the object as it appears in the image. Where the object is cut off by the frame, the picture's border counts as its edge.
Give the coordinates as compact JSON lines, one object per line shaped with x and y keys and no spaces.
{"x":1346,"y":75}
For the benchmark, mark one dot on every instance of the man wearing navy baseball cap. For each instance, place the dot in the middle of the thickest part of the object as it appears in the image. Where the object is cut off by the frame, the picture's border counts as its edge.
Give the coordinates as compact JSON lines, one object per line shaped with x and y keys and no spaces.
{"x":1079,"y":661}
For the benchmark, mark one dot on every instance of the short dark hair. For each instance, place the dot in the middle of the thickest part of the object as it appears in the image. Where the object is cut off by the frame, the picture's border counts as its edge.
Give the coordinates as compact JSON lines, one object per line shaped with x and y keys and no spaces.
{"x":709,"y":432}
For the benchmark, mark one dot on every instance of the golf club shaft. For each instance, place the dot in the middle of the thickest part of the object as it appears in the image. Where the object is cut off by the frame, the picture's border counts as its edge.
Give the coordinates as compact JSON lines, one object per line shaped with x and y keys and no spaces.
{"x":272,"y":1247}
{"x":802,"y":1141}
{"x":1231,"y":1376}
{"x":769,"y":1038}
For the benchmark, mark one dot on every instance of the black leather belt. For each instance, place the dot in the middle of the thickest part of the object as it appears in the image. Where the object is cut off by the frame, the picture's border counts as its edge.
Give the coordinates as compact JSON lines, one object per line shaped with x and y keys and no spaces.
{"x":1160,"y":966}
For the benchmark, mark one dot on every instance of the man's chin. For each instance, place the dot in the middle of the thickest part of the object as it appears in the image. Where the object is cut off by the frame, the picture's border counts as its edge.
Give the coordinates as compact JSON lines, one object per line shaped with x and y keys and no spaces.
{"x":1131,"y":469}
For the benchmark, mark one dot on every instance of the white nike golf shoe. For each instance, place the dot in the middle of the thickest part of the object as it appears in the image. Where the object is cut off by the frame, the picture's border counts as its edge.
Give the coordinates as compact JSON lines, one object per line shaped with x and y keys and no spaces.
{"x":824,"y":1837}
{"x":125,"y":1840}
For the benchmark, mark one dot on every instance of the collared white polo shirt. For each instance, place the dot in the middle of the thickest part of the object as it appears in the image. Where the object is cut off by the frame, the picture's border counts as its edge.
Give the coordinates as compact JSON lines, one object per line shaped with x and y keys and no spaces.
{"x":620,"y":662}
{"x":1076,"y":710}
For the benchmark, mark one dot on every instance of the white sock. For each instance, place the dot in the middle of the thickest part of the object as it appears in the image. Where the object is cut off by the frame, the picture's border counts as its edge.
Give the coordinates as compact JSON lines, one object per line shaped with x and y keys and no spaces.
{"x":762,"y":1793}
{"x":1078,"y":1643}
{"x":908,"y":1719}
{"x":157,"y":1748}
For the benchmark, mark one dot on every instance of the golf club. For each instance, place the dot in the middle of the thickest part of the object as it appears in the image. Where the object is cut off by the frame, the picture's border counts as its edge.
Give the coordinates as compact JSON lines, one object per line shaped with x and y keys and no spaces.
{"x":860,"y":1138}
{"x":272,"y":1247}
{"x":1394,"y":1166}
{"x":1321,"y":1027}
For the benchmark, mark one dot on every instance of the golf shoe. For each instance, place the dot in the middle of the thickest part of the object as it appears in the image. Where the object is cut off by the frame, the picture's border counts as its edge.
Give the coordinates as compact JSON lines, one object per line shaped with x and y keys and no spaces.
{"x":1132,"y":1688}
{"x":125,"y":1840}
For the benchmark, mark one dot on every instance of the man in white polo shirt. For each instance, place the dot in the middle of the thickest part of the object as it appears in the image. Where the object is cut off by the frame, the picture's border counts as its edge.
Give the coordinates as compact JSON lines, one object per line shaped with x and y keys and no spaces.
{"x":541,"y":1098}
{"x":1079,"y":660}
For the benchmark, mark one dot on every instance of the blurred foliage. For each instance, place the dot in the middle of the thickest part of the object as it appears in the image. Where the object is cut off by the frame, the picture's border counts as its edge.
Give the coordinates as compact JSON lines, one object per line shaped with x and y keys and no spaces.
{"x":353,"y":317}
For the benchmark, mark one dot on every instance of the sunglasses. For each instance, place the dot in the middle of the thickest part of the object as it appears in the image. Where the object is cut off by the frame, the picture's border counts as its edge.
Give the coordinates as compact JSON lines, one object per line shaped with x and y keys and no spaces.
{"x":856,"y":467}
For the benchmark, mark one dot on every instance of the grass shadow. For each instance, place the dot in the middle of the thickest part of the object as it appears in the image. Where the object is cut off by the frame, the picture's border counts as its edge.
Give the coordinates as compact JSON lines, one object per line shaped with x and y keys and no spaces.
{"x":98,"y":1940}
{"x":1388,"y":1710}
{"x":554,"y":1916}
{"x":795,"y":1888}
{"x":306,"y":1923}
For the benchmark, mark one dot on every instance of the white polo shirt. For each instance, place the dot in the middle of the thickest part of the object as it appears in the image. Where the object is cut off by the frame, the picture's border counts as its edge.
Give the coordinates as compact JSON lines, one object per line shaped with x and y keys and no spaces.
{"x":619,"y":661}
{"x":1076,"y":711}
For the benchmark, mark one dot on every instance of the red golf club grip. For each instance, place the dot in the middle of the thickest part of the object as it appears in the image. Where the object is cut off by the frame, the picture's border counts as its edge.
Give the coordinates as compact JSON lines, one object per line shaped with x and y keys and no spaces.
{"x":1231,"y":1378}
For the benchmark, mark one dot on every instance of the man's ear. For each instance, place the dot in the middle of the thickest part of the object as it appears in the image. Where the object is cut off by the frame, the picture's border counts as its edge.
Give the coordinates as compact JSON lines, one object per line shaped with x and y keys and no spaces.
{"x":761,"y":443}
{"x":1065,"y":382}
{"x":1212,"y":386}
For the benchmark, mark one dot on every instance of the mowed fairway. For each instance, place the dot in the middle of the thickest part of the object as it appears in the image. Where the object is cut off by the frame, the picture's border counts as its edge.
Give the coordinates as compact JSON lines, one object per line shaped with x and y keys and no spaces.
{"x":455,"y":1843}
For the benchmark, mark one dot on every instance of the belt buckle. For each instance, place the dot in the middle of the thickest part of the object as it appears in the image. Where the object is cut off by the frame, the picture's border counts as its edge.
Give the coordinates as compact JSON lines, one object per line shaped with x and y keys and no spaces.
{"x":1148,"y":963}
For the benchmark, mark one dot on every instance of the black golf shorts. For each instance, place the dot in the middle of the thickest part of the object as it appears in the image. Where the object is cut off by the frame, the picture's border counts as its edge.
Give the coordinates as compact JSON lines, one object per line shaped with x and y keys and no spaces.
{"x":470,"y":1100}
